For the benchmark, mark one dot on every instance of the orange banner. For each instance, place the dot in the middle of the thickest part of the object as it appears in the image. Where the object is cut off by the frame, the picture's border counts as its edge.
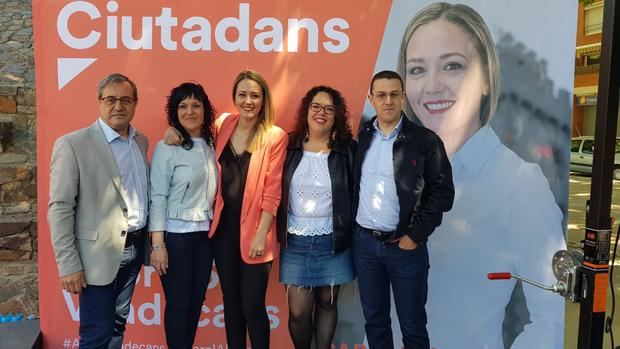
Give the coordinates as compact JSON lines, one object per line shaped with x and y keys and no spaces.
{"x":160,"y":44}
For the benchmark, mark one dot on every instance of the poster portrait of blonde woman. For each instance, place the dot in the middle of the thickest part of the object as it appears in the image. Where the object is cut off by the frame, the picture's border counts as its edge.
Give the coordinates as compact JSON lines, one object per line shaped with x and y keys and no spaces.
{"x":485,"y":80}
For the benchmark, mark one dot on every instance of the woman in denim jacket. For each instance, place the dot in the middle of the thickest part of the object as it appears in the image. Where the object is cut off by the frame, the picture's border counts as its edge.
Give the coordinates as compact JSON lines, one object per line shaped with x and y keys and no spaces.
{"x":183,"y":187}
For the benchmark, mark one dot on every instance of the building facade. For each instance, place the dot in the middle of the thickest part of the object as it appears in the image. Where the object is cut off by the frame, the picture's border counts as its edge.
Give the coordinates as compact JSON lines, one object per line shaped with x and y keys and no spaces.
{"x":587,"y":65}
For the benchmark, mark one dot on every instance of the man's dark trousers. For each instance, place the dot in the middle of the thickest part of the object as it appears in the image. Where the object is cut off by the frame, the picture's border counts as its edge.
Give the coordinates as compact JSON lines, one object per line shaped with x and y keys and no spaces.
{"x":104,"y":309}
{"x":379,"y":265}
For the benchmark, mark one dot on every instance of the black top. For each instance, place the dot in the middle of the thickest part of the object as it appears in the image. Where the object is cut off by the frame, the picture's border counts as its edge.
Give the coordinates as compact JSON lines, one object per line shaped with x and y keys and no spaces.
{"x":234,"y":173}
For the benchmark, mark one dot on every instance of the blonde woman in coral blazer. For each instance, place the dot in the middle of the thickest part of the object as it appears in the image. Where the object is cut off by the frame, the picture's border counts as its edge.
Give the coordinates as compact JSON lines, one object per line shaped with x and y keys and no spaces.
{"x":250,"y":152}
{"x":261,"y":194}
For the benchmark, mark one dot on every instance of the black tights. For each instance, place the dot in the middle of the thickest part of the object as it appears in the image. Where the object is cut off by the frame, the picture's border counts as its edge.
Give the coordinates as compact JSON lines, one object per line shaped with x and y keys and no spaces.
{"x":308,"y":304}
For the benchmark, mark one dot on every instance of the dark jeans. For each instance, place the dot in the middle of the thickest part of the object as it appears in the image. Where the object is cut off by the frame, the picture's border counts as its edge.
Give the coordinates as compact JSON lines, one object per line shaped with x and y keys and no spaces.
{"x":244,"y":287}
{"x":104,"y":309}
{"x":380,"y":265}
{"x":189,"y":268}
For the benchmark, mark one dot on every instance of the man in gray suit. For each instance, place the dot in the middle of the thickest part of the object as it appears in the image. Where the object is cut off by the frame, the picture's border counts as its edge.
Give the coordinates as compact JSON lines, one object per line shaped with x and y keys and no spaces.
{"x":98,"y":210}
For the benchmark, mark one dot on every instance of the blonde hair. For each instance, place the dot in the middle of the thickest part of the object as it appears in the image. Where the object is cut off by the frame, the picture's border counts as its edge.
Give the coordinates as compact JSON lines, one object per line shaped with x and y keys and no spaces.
{"x":472,"y":23}
{"x":266,"y":116}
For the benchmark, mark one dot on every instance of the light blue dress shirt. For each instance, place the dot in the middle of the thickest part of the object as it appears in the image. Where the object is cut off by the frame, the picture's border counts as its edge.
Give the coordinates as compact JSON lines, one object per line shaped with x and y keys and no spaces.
{"x":132,"y":167}
{"x":378,"y":201}
{"x":504,"y":218}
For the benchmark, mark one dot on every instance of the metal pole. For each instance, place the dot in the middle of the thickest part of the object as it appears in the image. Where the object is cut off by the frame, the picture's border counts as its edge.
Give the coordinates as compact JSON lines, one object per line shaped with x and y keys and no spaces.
{"x":598,"y":221}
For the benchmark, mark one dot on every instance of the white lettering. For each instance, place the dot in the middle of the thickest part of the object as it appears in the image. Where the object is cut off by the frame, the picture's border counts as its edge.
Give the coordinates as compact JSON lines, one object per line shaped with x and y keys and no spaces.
{"x":231,"y":34}
{"x":145,"y":41}
{"x":293,"y":34}
{"x":243,"y":29}
{"x":218,"y":320}
{"x":203,"y":34}
{"x":154,"y":307}
{"x":341,"y":38}
{"x":131,"y":318}
{"x":62,"y":25}
{"x":166,"y":22}
{"x":204,"y":322}
{"x":274,"y":35}
{"x":274,"y":320}
{"x":215,"y":279}
{"x":112,"y":37}
{"x":74,"y":311}
{"x":149,"y":314}
{"x":148,"y":276}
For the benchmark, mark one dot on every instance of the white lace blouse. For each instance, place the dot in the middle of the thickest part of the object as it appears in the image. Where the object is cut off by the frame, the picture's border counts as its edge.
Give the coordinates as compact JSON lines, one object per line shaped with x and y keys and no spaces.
{"x":310,"y":197}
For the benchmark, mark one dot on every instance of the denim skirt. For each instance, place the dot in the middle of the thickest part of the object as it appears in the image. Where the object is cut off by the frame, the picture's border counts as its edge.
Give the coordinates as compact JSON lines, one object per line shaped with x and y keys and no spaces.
{"x":308,"y":261}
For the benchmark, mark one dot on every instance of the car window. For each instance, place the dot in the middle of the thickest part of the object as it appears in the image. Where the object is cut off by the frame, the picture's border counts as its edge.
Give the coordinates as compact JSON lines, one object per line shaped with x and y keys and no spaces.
{"x":617,"y":145}
{"x":574,"y":145}
{"x":588,"y":146}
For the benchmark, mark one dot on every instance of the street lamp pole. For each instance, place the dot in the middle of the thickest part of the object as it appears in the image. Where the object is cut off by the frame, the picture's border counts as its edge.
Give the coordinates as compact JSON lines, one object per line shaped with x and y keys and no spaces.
{"x":598,"y":221}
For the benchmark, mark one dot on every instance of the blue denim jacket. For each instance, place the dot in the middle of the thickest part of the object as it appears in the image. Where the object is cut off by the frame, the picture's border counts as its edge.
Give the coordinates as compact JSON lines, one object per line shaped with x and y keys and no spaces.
{"x":183,"y":184}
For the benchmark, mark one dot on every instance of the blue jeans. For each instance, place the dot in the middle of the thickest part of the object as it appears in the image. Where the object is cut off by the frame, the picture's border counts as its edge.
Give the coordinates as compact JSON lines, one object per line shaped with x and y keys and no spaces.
{"x":379,"y":265}
{"x":104,"y":309}
{"x":190,"y":260}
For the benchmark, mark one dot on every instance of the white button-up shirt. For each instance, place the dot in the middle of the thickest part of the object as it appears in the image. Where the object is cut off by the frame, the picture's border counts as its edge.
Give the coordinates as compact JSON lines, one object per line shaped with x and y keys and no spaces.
{"x":378,"y":201}
{"x":132,"y":167}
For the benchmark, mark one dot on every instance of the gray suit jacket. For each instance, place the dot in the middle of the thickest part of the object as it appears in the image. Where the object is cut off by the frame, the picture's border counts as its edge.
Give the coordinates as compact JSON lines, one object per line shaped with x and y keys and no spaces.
{"x":87,"y":211}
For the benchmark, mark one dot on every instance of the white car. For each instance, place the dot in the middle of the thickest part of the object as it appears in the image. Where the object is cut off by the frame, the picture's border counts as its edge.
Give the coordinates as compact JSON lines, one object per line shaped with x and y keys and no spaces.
{"x":582,"y":152}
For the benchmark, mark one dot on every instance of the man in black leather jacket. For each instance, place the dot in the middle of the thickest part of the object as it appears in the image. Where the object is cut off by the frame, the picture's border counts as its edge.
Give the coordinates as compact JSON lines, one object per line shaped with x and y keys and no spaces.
{"x":402,"y":186}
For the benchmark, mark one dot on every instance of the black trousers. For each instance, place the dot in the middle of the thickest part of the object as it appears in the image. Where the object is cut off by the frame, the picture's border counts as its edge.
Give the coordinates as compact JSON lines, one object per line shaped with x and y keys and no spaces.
{"x":190,"y":261}
{"x":244,"y":287}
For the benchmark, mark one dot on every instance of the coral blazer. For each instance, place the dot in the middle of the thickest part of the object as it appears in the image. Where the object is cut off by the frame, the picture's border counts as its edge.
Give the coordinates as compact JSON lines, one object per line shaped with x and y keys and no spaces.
{"x":263,"y":186}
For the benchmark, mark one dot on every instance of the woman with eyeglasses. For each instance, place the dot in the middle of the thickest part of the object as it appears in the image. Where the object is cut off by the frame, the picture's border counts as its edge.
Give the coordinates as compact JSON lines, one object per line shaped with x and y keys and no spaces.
{"x":314,"y":218}
{"x":183,"y":186}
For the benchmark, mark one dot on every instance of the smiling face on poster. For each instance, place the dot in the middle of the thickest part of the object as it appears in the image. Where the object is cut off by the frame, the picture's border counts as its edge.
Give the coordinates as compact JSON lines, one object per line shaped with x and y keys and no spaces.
{"x":445,"y":81}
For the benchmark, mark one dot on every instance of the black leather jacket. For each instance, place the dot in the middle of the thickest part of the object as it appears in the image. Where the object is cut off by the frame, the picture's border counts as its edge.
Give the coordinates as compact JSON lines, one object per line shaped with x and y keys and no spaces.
{"x":423,"y":177}
{"x":340,"y":163}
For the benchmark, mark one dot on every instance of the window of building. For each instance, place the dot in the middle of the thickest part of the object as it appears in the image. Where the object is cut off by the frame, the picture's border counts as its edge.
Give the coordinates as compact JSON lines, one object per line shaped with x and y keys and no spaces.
{"x":594,"y":18}
{"x":592,"y":58}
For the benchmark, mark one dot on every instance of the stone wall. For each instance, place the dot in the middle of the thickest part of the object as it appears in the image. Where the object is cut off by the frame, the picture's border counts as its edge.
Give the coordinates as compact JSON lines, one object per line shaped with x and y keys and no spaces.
{"x":18,"y":167}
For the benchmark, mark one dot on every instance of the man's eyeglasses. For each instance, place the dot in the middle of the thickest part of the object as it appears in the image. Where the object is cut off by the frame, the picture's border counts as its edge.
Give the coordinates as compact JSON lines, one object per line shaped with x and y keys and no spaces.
{"x":111,"y":101}
{"x":382,"y":96}
{"x":328,"y":109}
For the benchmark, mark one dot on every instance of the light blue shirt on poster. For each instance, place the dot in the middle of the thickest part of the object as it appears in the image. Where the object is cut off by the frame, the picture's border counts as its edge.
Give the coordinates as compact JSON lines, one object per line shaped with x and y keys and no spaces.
{"x":132,"y":167}
{"x":504,"y":218}
{"x":378,"y":201}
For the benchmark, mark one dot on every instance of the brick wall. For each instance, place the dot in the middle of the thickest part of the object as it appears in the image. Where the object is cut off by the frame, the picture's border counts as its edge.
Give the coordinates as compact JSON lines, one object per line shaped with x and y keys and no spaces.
{"x":18,"y":188}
